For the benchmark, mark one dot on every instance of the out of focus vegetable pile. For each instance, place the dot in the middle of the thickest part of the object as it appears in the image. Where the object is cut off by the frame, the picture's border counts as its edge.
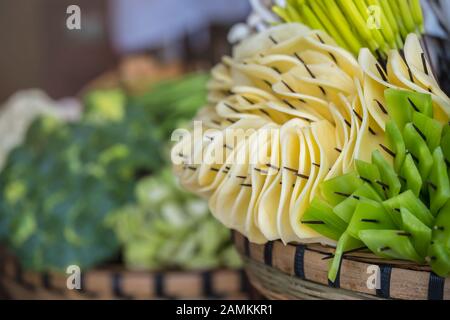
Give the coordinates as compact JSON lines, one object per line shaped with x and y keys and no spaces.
{"x":78,"y":193}
{"x":168,"y":227}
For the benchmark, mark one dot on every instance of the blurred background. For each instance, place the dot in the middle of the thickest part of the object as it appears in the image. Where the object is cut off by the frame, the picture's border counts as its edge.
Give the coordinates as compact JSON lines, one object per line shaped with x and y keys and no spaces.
{"x":85,"y":176}
{"x":38,"y":51}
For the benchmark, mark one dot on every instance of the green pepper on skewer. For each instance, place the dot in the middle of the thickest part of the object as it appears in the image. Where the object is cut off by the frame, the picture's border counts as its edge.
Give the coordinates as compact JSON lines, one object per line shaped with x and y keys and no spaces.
{"x":399,"y":211}
{"x":439,"y":251}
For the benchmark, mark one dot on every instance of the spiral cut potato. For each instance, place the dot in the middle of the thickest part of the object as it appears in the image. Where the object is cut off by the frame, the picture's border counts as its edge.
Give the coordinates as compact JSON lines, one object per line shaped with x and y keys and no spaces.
{"x":289,"y":110}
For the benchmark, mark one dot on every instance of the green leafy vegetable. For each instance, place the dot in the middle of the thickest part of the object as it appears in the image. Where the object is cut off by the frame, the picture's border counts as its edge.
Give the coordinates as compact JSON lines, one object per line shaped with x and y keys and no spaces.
{"x":168,"y":228}
{"x":59,"y":189}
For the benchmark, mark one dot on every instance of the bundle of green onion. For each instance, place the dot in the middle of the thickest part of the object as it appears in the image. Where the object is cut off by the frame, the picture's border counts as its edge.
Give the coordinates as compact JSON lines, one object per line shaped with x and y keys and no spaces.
{"x":379,"y":25}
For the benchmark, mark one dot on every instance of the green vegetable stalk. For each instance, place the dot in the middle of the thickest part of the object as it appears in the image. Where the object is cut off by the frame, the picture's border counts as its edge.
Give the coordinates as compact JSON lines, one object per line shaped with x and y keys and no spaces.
{"x":379,"y":25}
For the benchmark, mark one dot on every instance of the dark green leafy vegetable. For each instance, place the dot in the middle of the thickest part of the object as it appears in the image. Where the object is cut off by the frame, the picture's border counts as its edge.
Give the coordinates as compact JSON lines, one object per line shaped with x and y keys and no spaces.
{"x":59,"y":188}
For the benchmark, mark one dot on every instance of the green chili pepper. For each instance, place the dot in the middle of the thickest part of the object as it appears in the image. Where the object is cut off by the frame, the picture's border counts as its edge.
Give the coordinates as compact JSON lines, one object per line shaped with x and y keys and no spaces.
{"x":346,"y":243}
{"x":320,"y":217}
{"x":391,"y":244}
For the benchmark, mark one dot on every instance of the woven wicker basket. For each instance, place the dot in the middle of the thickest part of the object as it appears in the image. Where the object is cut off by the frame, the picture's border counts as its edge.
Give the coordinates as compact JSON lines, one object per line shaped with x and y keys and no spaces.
{"x":281,"y":271}
{"x":117,"y":283}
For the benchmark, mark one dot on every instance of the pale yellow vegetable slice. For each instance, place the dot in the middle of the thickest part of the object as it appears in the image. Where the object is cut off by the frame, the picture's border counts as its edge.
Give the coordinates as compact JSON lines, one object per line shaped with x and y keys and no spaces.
{"x":209,"y":118}
{"x":303,"y":179}
{"x":370,"y":136}
{"x":403,"y":75}
{"x":213,"y":161}
{"x":295,"y":98}
{"x":263,"y":41}
{"x":372,"y":68}
{"x":302,"y":201}
{"x":422,"y":71}
{"x":294,"y":110}
{"x":222,"y":201}
{"x":224,"y":153}
{"x":343,"y":59}
{"x":290,"y":151}
{"x":325,"y":137}
{"x":242,"y":177}
{"x":342,"y":132}
{"x":282,"y":63}
{"x":230,"y":109}
{"x":258,"y":158}
{"x":267,"y":202}
{"x":327,"y":75}
{"x":289,"y":47}
{"x":352,"y":124}
{"x":374,"y":99}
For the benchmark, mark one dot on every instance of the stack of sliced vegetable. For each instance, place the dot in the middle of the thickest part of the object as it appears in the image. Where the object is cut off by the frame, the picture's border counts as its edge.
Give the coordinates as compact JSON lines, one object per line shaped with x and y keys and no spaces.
{"x":320,"y":147}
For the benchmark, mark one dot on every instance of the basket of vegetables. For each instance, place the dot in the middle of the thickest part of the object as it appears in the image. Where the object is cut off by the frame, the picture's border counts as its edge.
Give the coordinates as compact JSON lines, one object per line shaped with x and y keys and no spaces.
{"x":89,"y":209}
{"x":170,"y":249}
{"x":325,"y":147}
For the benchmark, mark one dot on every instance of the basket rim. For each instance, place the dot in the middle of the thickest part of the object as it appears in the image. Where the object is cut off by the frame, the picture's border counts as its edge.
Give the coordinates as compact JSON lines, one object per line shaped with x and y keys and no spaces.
{"x":396,"y":279}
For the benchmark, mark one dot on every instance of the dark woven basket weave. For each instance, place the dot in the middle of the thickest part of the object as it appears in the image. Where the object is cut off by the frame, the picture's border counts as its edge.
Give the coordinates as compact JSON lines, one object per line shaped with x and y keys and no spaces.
{"x":118,"y":283}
